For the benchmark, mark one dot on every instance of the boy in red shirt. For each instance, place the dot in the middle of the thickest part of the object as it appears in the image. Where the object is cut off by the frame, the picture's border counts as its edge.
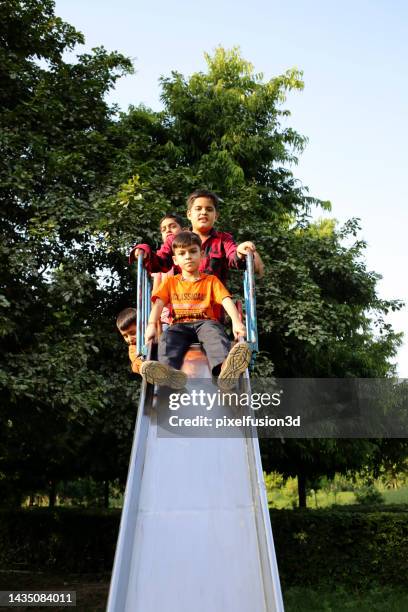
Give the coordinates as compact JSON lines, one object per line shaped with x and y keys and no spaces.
{"x":194,"y":297}
{"x":220,"y":252}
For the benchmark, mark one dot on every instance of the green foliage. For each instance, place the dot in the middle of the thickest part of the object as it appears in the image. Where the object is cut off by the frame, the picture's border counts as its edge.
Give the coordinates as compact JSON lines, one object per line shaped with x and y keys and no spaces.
{"x":350,"y":548}
{"x":65,"y":540}
{"x":369,"y":495}
{"x":56,"y":318}
{"x":337,"y":599}
{"x":86,"y":492}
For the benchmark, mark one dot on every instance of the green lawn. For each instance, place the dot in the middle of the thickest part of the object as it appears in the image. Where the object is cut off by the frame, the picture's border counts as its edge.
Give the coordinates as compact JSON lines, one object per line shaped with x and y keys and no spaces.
{"x":396,"y":496}
{"x":284,"y":495}
{"x":384,"y":599}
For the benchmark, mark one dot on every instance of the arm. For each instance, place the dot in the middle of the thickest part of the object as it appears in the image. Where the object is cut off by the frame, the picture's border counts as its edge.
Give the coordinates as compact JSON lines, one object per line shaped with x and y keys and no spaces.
{"x":150,"y":333}
{"x":238,"y":327}
{"x":231,"y":254}
{"x":161,"y":261}
{"x":259,"y":267}
{"x":139,"y":248}
{"x":134,"y":358}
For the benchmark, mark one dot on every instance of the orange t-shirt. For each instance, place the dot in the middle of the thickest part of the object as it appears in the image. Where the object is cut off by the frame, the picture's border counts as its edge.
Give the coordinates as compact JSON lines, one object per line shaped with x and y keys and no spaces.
{"x":192,"y":300}
{"x":158,"y":278}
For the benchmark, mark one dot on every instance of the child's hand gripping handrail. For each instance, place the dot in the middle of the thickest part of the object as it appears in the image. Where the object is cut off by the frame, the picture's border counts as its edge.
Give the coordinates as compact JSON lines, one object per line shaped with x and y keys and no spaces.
{"x":142,"y":304}
{"x":250,"y":303}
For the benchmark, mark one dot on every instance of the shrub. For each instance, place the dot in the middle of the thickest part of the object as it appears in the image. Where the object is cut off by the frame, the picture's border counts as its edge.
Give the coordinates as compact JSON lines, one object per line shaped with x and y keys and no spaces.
{"x":334,"y":547}
{"x":369,"y":495}
{"x":356,"y":549}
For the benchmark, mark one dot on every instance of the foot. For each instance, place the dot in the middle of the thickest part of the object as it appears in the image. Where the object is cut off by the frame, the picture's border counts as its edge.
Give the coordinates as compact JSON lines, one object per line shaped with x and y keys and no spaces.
{"x":237,"y":361}
{"x":163,"y":375}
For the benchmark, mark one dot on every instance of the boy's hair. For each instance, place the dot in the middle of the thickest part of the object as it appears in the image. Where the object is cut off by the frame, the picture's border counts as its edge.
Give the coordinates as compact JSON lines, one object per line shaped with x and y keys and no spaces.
{"x":126,"y":317}
{"x":203,"y":193}
{"x":174,"y":216}
{"x":185,"y":239}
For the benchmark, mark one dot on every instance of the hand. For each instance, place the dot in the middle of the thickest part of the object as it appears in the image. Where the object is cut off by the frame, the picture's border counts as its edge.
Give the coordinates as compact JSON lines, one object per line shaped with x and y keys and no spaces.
{"x":238,"y":329}
{"x":244,"y":248}
{"x":151,"y":332}
{"x":259,"y":267}
{"x":138,"y":252}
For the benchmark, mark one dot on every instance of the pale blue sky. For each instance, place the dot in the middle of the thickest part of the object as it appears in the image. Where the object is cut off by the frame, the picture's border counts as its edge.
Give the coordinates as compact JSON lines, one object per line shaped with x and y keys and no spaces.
{"x":353,"y":108}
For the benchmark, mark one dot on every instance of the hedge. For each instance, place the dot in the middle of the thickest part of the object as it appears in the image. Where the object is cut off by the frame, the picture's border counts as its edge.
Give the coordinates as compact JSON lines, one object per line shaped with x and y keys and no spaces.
{"x":356,"y":549}
{"x":61,"y":539}
{"x":313,"y":546}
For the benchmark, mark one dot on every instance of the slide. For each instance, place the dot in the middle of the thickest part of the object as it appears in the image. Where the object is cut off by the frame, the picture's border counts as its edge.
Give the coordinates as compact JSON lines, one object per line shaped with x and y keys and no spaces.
{"x":195,"y":531}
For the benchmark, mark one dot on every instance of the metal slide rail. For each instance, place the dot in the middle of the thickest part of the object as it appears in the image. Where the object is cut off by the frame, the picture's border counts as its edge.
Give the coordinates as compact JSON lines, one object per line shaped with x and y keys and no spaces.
{"x":177,"y":521}
{"x":123,"y":554}
{"x":143,"y":294}
{"x":124,"y":548}
{"x":270,"y":572}
{"x":250,"y":303}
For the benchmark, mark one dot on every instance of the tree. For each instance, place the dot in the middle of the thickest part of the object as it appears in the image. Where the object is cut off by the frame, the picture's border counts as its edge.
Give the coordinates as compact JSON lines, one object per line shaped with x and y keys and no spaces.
{"x":56,"y":317}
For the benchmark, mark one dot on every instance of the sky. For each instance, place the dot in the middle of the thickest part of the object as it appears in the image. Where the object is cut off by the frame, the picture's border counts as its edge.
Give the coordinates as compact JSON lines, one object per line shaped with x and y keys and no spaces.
{"x":353,"y":108}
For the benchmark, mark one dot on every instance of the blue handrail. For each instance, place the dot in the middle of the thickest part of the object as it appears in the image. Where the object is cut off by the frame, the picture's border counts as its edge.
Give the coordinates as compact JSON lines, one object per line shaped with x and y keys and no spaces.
{"x":143,"y":292}
{"x":250,"y":303}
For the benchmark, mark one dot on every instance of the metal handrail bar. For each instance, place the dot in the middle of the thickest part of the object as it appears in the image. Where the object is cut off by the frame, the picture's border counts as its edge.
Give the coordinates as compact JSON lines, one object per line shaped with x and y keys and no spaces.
{"x":143,"y":292}
{"x":250,"y":303}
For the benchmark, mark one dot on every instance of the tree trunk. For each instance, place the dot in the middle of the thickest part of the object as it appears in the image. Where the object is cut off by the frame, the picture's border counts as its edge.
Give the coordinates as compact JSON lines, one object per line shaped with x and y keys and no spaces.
{"x":52,"y":494}
{"x":301,"y":479}
{"x":106,"y":494}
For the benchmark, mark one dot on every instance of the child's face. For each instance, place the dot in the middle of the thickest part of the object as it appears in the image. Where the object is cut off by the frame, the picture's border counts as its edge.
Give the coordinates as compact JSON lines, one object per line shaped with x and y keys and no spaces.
{"x":169,"y":226}
{"x":129,"y":334}
{"x":202,"y":215}
{"x":188,"y":258}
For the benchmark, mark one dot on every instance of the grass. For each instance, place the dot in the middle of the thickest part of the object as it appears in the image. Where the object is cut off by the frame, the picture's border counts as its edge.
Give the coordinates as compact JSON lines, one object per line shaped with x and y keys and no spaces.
{"x":396,"y":496}
{"x":283,"y":495}
{"x":379,"y":599}
{"x":92,"y":592}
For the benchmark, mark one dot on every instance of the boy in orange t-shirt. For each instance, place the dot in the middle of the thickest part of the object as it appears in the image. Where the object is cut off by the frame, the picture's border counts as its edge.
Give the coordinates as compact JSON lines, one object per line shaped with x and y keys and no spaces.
{"x":193,"y":297}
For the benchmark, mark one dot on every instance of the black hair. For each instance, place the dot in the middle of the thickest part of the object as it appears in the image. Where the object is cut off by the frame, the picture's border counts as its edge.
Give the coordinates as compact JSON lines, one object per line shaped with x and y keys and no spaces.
{"x":126,"y":317}
{"x":203,"y":193}
{"x":185,"y":239}
{"x":174,"y":216}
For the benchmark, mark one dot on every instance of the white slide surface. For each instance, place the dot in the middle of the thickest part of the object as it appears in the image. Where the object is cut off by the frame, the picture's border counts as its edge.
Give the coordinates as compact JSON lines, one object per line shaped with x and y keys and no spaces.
{"x":195,"y":532}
